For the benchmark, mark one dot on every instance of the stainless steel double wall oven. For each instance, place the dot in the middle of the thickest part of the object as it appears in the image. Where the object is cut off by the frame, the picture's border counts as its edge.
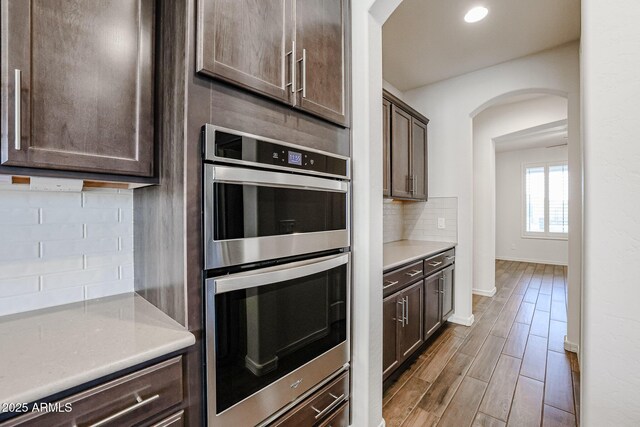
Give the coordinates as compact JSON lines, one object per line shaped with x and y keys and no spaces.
{"x":277,"y":289}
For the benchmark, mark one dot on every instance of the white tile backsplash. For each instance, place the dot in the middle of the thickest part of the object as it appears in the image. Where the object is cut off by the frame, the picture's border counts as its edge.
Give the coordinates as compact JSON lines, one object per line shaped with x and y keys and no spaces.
{"x":57,"y":248}
{"x":419,"y":220}
{"x":393,"y":220}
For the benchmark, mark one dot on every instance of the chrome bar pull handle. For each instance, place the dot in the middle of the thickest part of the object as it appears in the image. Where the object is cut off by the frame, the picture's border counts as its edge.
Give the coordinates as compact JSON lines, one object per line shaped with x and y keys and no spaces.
{"x":406,"y":311}
{"x":336,"y":401}
{"x":292,"y":67}
{"x":402,"y":315}
{"x":388,"y":284}
{"x":304,"y":73}
{"x":413,"y":273}
{"x":435,"y":263}
{"x":140,"y":403}
{"x":18,"y":110}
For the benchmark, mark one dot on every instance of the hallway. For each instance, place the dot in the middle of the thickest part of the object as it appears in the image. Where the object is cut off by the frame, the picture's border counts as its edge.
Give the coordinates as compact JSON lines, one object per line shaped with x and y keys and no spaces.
{"x":509,"y":368}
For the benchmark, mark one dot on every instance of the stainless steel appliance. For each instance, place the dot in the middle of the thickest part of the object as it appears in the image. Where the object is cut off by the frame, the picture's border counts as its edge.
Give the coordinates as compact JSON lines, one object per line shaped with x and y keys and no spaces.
{"x":277,"y":290}
{"x":274,"y":336}
{"x":267,"y":199}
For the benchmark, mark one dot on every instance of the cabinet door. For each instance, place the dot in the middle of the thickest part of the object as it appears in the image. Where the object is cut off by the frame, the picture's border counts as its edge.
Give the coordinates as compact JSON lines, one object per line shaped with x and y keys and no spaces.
{"x":391,"y":309}
{"x":248,"y":43}
{"x":386,"y":144}
{"x":432,"y":317}
{"x":84,"y":73}
{"x":400,"y":157}
{"x":448,"y":276}
{"x":322,"y":58}
{"x":418,"y":159}
{"x":411,"y":335}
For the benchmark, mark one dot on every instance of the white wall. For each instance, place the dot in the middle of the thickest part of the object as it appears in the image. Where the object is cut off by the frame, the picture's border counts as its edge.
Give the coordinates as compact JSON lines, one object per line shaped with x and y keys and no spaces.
{"x":491,"y":123}
{"x":610,"y":367}
{"x":510,"y":244}
{"x":366,"y":327}
{"x":58,"y":248}
{"x":392,"y":89}
{"x":451,"y":104}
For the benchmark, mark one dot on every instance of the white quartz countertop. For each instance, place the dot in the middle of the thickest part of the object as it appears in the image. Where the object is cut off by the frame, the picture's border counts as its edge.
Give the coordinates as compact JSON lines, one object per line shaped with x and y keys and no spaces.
{"x":47,"y":351}
{"x":403,"y":252}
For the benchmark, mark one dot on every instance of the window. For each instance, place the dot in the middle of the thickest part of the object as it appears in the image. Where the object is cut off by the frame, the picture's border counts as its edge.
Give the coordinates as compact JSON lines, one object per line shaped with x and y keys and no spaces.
{"x":546,"y":200}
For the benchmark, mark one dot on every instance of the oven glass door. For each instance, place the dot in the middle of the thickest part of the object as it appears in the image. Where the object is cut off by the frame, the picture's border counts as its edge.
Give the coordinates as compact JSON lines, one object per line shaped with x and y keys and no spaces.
{"x":271,"y":322}
{"x":253,"y":215}
{"x":245,"y":211}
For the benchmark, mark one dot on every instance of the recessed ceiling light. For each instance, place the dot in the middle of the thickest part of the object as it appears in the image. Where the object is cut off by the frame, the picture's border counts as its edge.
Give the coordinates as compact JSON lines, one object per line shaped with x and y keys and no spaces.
{"x":476,"y":14}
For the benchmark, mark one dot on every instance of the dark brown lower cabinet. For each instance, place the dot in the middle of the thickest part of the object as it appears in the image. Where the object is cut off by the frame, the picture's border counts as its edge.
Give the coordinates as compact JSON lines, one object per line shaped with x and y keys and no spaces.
{"x":134,"y":399}
{"x":327,"y":407}
{"x":432,"y":317}
{"x":415,"y":307}
{"x":175,"y":420}
{"x":402,"y":326}
{"x":410,"y":330}
{"x":339,"y":419}
{"x":390,"y":318}
{"x":447,"y":292}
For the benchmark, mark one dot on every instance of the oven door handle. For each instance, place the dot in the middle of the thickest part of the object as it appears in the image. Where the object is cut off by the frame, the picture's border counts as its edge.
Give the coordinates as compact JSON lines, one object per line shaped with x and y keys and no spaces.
{"x":235,"y":175}
{"x":281,"y":273}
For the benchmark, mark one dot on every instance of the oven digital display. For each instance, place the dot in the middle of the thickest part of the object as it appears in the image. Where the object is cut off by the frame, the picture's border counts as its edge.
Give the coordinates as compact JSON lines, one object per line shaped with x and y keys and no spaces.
{"x":295,"y":158}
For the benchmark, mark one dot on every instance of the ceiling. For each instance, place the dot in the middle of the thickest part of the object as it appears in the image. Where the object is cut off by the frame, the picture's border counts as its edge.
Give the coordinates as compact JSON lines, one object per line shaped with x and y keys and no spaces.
{"x":425,"y":41}
{"x":548,"y":135}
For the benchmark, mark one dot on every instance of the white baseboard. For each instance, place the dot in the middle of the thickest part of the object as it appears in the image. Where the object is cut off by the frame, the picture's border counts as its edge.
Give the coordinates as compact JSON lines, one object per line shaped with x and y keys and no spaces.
{"x":534,"y":261}
{"x":465,"y":321}
{"x":484,"y":293}
{"x":571,"y":346}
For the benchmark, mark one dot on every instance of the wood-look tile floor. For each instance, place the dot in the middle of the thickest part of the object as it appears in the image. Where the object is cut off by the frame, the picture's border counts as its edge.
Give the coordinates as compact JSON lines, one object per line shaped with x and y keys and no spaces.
{"x":508,"y":369}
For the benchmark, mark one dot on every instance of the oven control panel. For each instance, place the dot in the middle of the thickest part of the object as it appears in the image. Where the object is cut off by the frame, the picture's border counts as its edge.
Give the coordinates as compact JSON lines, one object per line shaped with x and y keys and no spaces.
{"x":246,"y":149}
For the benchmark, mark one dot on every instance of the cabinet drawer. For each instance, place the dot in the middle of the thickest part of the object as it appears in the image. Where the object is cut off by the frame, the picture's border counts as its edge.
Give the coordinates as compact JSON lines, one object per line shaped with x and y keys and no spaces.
{"x":400,"y":278}
{"x":126,"y":401}
{"x":339,"y":419}
{"x":438,"y":262}
{"x":319,"y":406}
{"x":175,"y":420}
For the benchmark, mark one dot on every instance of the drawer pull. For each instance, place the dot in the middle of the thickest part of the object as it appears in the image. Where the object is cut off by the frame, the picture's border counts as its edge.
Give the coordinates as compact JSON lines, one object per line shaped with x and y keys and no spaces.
{"x":452,"y":257}
{"x":140,"y":403}
{"x":337,"y":400}
{"x":435,"y":263}
{"x":388,"y":284}
{"x":414,"y":273}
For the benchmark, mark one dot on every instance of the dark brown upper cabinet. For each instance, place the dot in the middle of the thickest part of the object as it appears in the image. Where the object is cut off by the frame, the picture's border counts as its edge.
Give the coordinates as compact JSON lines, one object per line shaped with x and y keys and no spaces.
{"x":386,"y":141}
{"x":321,"y":50}
{"x":294,"y":51}
{"x":400,"y":153}
{"x":406,"y":152}
{"x":418,"y":159}
{"x":248,"y":43}
{"x":77,"y":85}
